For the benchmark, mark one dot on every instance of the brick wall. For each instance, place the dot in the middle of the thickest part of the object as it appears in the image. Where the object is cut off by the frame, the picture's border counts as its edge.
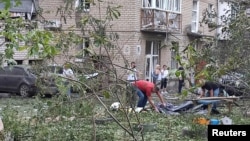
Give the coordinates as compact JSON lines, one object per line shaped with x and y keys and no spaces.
{"x":128,"y":28}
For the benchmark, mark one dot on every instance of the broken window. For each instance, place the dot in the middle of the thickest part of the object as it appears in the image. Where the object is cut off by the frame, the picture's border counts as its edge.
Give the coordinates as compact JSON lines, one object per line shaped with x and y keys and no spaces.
{"x":83,"y":5}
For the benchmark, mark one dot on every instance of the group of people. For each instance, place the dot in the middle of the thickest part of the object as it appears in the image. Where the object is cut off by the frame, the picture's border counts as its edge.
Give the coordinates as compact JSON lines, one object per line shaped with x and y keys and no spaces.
{"x":145,"y":88}
{"x":160,"y":76}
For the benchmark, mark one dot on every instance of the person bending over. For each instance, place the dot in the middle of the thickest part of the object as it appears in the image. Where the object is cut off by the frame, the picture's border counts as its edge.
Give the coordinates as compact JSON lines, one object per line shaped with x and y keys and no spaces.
{"x":144,"y":90}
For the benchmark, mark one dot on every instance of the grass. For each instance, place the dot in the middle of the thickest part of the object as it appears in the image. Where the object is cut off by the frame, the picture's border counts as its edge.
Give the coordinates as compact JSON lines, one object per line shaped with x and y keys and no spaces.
{"x":73,"y":122}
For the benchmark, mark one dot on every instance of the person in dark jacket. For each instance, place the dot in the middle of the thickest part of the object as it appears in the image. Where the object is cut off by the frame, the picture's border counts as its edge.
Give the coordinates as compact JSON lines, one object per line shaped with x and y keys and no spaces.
{"x":181,"y":79}
{"x":212,"y":88}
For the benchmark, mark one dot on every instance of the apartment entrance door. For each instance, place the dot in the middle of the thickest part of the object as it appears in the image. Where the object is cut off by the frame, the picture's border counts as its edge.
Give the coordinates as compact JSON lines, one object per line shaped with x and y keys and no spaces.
{"x":152,"y":58}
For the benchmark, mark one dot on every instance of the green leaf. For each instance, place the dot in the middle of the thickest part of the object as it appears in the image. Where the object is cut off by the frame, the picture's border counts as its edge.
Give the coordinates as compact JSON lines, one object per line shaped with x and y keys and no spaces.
{"x":7,"y":4}
{"x":49,"y":103}
{"x":177,"y":73}
{"x":184,"y":93}
{"x":106,"y":94}
{"x":22,"y":48}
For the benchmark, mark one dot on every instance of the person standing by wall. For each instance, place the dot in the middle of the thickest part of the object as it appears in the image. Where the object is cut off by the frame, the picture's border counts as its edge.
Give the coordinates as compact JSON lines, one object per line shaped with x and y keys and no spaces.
{"x":164,"y":79}
{"x":132,"y":76}
{"x":132,"y":72}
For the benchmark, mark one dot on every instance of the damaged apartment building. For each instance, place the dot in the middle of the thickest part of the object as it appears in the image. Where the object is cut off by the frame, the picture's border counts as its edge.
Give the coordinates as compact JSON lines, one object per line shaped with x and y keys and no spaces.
{"x":147,"y":29}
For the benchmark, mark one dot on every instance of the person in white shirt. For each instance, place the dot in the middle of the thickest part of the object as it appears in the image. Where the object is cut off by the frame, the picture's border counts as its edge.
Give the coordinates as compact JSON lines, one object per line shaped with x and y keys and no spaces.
{"x":68,"y":73}
{"x":132,"y":73}
{"x":164,"y":79}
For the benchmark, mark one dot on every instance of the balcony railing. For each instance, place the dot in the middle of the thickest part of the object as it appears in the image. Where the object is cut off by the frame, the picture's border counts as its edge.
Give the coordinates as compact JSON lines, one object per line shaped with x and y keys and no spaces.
{"x":160,"y":21}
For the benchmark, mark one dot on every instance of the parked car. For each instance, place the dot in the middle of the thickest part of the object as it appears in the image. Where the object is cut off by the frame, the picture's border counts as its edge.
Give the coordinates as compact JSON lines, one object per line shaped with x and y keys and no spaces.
{"x":18,"y":79}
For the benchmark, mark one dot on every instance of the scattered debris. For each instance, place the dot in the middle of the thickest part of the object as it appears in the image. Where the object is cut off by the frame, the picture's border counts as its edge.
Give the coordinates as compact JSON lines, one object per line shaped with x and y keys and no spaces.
{"x":201,"y":121}
{"x":247,"y":113}
{"x":226,"y":121}
{"x":174,"y":110}
{"x":214,"y":122}
{"x":146,"y":127}
{"x":103,"y":120}
{"x":115,"y":106}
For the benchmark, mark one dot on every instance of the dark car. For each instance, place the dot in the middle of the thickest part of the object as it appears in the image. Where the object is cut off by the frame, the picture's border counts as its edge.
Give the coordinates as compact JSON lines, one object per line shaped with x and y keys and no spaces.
{"x":18,"y":79}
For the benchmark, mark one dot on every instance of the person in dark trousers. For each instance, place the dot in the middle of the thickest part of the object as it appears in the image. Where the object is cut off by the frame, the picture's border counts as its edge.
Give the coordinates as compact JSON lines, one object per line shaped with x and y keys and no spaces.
{"x":213,"y":90}
{"x":164,"y":79}
{"x":144,"y":90}
{"x":181,"y":79}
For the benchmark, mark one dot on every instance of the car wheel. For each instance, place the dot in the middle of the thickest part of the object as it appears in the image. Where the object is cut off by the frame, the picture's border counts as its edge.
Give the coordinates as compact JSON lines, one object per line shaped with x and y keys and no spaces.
{"x":24,"y":90}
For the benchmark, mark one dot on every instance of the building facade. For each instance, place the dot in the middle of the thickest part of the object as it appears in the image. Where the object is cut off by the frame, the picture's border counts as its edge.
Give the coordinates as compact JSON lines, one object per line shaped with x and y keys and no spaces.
{"x":147,"y":29}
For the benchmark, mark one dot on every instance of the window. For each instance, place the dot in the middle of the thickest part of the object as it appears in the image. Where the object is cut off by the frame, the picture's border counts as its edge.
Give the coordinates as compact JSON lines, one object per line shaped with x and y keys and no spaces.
{"x":84,"y":50}
{"x":194,"y":24}
{"x":18,"y":71}
{"x":83,"y":5}
{"x":173,"y":5}
{"x":210,"y":9}
{"x":19,"y":62}
{"x":85,"y":47}
{"x":234,"y":11}
{"x":211,"y":12}
{"x":169,"y":5}
{"x":152,"y":47}
{"x":14,"y":71}
{"x":146,"y":3}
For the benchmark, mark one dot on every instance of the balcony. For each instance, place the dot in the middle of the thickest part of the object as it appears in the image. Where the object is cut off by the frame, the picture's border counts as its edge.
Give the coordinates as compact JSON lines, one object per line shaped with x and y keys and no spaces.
{"x":155,"y":20}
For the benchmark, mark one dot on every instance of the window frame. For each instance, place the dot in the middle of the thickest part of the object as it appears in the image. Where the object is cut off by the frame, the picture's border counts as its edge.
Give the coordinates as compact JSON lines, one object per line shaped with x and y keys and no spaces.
{"x":234,"y":12}
{"x":196,"y":21}
{"x":85,"y":45}
{"x":211,"y":12}
{"x":165,"y":5}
